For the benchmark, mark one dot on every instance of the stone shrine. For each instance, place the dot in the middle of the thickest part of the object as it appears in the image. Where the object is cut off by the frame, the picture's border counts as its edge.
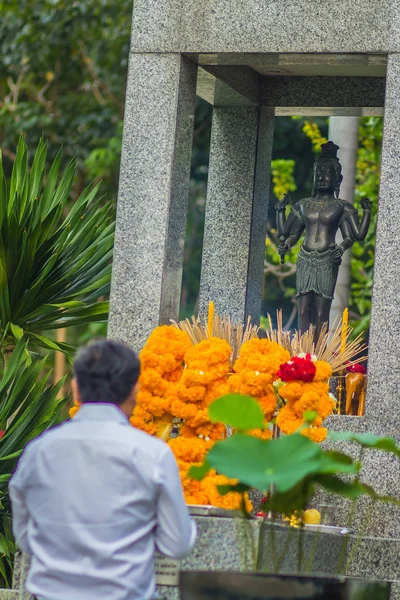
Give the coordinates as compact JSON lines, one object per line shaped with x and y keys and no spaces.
{"x":254,"y":60}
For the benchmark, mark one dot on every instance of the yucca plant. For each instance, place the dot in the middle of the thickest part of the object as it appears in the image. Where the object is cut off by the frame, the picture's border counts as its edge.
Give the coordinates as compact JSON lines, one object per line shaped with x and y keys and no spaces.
{"x":28,"y":406}
{"x":55,"y":263}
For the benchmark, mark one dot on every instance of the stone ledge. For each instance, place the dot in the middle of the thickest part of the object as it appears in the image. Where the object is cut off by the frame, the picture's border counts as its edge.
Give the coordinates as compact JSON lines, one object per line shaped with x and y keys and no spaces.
{"x":14,"y":595}
{"x":265,"y":26}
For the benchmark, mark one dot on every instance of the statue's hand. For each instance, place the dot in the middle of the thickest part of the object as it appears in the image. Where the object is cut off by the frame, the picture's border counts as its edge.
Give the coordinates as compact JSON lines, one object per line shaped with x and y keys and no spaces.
{"x":283,"y":248}
{"x":282,"y":204}
{"x":366,"y":204}
{"x":337,"y":253}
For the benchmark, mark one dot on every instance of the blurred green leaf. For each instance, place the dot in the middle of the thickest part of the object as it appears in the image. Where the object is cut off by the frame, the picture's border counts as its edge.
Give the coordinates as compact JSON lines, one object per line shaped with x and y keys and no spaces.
{"x":238,"y":411}
{"x":282,"y":462}
{"x":366,"y":440}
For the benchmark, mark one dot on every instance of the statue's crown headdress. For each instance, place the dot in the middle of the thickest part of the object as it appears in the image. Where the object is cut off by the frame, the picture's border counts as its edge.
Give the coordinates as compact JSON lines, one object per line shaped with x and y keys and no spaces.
{"x":329,"y":150}
{"x":329,"y":153}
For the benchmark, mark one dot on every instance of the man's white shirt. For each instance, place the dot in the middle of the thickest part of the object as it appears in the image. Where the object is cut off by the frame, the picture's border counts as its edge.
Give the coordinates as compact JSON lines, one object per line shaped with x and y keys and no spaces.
{"x":92,"y":500}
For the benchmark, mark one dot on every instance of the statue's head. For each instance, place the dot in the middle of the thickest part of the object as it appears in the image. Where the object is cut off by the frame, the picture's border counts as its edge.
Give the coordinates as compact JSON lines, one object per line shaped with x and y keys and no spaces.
{"x":327,"y":171}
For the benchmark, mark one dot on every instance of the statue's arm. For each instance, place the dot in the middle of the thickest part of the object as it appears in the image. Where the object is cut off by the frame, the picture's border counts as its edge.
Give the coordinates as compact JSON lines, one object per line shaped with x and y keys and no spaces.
{"x":289,"y":229}
{"x":295,"y":234}
{"x":360,"y":230}
{"x":283,"y":225}
{"x":347,"y":235}
{"x":285,"y":243}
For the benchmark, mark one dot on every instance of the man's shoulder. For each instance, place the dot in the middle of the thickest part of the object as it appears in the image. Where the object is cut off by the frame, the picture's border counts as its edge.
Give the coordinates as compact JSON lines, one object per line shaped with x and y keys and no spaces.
{"x":148,"y":440}
{"x":126,"y":435}
{"x":45,"y":437}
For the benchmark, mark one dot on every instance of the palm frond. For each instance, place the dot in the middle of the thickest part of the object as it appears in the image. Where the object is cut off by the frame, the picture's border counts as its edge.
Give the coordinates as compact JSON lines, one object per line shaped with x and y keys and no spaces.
{"x":28,"y":406}
{"x":49,"y":261}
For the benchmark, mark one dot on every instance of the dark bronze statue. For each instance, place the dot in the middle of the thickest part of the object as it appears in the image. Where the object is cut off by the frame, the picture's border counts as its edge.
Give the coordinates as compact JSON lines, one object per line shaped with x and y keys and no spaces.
{"x":319,"y":256}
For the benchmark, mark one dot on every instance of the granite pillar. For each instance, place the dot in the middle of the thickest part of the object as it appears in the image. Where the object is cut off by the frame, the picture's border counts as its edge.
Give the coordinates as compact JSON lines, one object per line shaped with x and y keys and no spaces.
{"x":344,"y":132}
{"x":383,"y":400}
{"x":377,"y":555}
{"x":153,"y":192}
{"x":236,"y":211}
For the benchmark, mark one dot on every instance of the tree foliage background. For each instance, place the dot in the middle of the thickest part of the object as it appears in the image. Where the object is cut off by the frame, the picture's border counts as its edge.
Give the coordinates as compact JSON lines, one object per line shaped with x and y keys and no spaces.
{"x":63,"y":74}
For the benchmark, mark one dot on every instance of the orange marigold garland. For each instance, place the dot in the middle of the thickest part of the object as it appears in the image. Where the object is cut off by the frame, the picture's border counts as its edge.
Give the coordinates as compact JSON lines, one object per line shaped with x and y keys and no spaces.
{"x":204,"y":379}
{"x":161,"y":369}
{"x":177,"y":383}
{"x":303,"y":386}
{"x":254,"y":373}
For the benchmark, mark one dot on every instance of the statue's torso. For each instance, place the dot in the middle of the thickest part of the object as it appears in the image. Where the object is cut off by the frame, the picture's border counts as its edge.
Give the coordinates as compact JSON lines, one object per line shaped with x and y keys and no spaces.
{"x":321,"y":218}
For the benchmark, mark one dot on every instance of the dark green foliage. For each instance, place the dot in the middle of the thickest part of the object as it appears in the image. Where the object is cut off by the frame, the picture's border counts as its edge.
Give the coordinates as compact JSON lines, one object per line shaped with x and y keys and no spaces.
{"x":28,"y":406}
{"x":53,"y":267}
{"x":63,"y":74}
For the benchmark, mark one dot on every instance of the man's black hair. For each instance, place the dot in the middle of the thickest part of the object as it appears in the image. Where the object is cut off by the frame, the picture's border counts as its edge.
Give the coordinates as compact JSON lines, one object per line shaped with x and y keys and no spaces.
{"x":106,"y":371}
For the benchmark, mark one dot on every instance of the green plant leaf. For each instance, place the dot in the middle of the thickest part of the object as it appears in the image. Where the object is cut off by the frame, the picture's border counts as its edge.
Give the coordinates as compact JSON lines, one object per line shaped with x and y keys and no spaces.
{"x":366,"y":440}
{"x":352,"y":490}
{"x":227,"y":489}
{"x":17,"y":332}
{"x":199,"y":472}
{"x":55,"y":259}
{"x":240,"y":412}
{"x":310,"y":415}
{"x":49,"y":344}
{"x":295,"y":498}
{"x":282,"y":462}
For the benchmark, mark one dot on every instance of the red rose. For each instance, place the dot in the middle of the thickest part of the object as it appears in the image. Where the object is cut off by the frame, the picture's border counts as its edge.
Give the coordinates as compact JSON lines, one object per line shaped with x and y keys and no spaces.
{"x":297,"y":369}
{"x":357,"y":369}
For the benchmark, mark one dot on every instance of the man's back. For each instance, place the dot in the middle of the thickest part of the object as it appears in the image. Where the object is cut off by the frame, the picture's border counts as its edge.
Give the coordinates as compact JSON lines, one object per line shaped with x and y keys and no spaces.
{"x":99,"y":496}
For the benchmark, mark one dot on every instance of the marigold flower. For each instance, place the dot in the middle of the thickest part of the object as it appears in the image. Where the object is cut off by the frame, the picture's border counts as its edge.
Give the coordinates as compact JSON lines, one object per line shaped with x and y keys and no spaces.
{"x":263,"y":434}
{"x":323,"y":370}
{"x":186,"y":431}
{"x":73,"y":410}
{"x":199,"y":418}
{"x":326,"y":406}
{"x":194,"y":393}
{"x":183,"y":410}
{"x":291,"y":391}
{"x":174,"y":376}
{"x":268,"y":404}
{"x":307,"y":401}
{"x":190,"y":450}
{"x":287,"y":419}
{"x":315,"y":434}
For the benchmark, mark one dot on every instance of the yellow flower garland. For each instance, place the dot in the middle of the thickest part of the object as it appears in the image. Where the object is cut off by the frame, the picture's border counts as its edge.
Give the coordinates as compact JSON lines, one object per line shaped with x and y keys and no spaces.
{"x":303,"y":396}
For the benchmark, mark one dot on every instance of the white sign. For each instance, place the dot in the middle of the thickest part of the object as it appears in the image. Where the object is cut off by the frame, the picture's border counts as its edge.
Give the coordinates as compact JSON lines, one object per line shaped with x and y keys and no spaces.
{"x":167,"y":570}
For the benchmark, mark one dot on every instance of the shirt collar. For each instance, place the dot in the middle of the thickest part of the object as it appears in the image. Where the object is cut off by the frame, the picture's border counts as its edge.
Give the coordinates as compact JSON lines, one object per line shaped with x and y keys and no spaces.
{"x":100,"y":411}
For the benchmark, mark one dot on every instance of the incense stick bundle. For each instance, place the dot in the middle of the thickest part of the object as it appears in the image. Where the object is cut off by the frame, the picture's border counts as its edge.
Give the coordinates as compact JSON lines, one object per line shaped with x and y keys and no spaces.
{"x":223,"y":328}
{"x":327,"y":347}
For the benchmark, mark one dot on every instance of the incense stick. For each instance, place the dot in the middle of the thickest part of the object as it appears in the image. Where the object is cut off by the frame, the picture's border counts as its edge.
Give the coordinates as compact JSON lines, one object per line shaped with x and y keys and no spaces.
{"x":327,"y":347}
